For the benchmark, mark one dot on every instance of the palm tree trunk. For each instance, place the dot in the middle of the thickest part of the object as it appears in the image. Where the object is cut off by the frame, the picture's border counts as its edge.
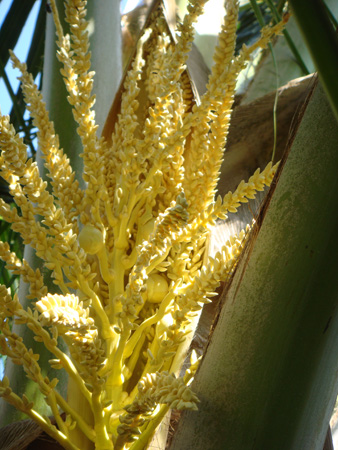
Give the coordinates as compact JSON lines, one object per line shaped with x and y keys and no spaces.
{"x":269,"y":376}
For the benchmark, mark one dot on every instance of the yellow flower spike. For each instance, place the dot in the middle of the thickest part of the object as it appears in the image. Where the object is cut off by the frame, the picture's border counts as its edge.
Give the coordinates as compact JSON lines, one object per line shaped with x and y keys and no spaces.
{"x":65,"y":186}
{"x":65,"y":312}
{"x":153,"y":389}
{"x":140,"y":263}
{"x":23,"y":404}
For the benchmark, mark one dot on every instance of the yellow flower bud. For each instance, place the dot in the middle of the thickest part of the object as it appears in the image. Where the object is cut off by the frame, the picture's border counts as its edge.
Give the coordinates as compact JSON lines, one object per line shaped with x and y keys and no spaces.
{"x":91,"y":239}
{"x":145,"y":230}
{"x":157,"y":288}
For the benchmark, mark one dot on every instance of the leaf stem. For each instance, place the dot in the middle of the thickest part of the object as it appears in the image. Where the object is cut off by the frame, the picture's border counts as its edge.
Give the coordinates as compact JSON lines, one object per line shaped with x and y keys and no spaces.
{"x":322,"y":41}
{"x":277,"y":18}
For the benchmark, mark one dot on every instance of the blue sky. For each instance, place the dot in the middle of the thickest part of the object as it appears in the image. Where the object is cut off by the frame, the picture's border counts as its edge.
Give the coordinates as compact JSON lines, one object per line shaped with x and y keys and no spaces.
{"x":21,"y":50}
{"x":22,"y":47}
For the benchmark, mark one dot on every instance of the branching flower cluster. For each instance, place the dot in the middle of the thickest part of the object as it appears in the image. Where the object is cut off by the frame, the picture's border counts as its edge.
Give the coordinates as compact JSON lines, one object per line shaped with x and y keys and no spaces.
{"x":127,"y":253}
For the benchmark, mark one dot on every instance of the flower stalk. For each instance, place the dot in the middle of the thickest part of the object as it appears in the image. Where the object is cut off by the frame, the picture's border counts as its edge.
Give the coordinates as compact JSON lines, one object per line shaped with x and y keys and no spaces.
{"x":127,"y":251}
